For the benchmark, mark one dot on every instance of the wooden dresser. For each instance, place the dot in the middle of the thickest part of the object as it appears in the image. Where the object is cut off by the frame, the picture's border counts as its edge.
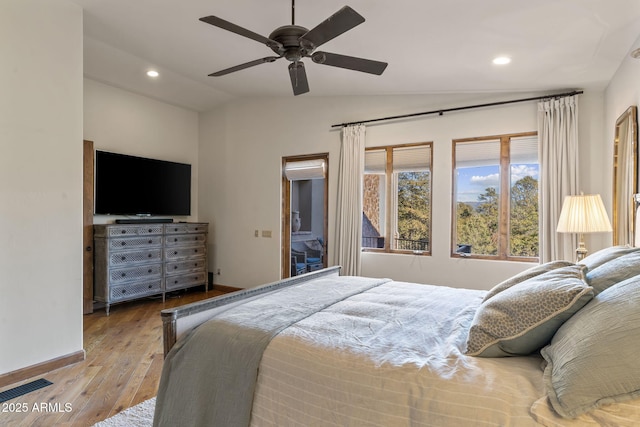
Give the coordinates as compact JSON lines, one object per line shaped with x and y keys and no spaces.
{"x":138,"y":260}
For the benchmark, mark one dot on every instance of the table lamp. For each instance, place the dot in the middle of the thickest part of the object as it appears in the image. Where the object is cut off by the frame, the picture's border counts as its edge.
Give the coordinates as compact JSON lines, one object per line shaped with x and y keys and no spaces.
{"x":583,"y":214}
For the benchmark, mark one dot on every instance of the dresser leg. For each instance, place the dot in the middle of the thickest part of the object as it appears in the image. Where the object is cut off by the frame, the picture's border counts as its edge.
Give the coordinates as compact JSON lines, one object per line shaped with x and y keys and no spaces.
{"x":107,"y":307}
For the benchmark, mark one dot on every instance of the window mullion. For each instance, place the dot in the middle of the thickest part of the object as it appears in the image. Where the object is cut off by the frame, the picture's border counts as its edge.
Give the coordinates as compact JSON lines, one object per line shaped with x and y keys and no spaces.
{"x":503,"y":214}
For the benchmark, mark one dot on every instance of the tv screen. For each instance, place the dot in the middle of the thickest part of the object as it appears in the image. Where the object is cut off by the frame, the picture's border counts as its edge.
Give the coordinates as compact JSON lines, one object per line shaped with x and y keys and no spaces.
{"x":129,"y":185}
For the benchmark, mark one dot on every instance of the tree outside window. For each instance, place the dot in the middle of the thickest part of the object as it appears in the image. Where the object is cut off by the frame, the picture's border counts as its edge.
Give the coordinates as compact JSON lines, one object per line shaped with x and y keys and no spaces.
{"x":397,"y":199}
{"x":496,"y":197}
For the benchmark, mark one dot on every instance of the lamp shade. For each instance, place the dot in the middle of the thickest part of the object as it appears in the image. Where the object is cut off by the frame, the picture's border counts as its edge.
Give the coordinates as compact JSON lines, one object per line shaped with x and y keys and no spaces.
{"x":583,"y":214}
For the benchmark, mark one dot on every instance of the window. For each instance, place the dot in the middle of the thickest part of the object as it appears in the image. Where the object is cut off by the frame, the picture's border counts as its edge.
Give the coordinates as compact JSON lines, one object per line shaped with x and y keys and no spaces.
{"x":397,"y":199}
{"x":496,"y":197}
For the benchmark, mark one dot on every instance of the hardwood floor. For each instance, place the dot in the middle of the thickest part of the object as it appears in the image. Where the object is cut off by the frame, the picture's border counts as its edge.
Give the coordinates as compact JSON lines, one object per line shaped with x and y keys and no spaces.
{"x":122,"y":368}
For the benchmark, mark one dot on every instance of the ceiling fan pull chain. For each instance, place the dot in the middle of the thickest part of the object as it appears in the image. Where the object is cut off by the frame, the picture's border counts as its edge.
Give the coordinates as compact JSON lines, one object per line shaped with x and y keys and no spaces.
{"x":293,"y":12}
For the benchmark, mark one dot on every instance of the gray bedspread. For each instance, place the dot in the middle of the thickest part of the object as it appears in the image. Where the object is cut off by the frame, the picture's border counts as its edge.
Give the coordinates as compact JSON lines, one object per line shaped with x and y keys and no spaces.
{"x":209,"y":378}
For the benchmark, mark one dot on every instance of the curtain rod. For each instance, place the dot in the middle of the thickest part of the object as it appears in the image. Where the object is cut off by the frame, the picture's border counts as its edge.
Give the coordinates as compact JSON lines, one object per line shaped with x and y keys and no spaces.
{"x":468,"y":107}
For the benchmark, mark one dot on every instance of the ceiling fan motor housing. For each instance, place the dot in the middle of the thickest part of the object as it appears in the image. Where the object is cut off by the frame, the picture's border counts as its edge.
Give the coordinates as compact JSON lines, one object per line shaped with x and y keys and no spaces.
{"x":293,"y":49}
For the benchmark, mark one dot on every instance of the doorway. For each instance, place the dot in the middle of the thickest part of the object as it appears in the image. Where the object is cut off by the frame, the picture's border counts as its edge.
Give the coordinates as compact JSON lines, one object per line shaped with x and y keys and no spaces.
{"x":304,"y":213}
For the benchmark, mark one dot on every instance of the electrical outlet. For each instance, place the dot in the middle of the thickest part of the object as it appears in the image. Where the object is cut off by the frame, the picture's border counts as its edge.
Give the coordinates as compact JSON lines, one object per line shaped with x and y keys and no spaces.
{"x":218,"y":272}
{"x":266,"y":233}
{"x":256,"y":233}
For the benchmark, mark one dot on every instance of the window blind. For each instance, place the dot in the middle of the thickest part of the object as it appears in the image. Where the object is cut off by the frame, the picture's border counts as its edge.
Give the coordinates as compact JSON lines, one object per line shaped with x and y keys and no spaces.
{"x":474,"y":154}
{"x":412,"y":159}
{"x":524,"y":150}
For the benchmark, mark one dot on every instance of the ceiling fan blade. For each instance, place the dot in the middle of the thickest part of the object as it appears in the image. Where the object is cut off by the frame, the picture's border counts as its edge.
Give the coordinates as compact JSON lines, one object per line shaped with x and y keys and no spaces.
{"x":349,"y":62}
{"x":338,"y":23}
{"x":243,"y":66}
{"x":298,"y":76}
{"x":226,"y":25}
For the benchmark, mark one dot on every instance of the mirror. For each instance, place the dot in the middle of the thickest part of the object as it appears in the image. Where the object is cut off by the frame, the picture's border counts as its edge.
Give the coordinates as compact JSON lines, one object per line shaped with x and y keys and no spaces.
{"x":625,"y":176}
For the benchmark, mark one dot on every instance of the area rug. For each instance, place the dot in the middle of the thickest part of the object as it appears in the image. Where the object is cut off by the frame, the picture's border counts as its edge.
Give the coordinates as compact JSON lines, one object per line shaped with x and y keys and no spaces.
{"x":140,"y":415}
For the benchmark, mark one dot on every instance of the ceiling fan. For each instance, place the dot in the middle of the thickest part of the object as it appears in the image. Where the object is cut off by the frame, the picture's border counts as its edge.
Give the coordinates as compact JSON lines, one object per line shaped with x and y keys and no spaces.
{"x":294,"y":42}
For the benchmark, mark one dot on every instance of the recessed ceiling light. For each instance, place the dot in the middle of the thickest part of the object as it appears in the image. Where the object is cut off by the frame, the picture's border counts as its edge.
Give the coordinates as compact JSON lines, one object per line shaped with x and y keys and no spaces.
{"x":152,"y":73}
{"x":501,"y":60}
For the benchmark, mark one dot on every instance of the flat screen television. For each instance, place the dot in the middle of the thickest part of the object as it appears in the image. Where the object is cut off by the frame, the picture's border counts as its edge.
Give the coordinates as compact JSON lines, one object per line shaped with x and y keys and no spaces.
{"x":130,"y":185}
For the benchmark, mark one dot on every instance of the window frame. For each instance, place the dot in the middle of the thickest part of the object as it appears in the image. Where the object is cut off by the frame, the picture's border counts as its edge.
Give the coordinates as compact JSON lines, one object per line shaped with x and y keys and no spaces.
{"x":504,"y":211}
{"x":390,"y":193}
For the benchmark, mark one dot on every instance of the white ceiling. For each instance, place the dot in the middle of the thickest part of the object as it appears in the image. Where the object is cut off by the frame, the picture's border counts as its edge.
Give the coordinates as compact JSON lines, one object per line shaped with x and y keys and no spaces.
{"x":432,"y":46}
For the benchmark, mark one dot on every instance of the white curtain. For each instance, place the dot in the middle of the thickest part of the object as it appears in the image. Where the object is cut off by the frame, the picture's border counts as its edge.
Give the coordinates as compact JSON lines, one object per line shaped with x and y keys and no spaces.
{"x":349,"y":207}
{"x":558,"y":134}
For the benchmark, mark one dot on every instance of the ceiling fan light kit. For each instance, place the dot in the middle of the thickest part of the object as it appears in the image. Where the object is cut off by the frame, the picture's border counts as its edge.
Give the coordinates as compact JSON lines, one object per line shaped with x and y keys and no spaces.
{"x":294,"y":43}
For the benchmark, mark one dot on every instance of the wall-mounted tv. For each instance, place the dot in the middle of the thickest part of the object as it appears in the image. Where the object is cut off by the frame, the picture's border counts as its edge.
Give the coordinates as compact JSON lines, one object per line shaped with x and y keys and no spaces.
{"x":130,"y":185}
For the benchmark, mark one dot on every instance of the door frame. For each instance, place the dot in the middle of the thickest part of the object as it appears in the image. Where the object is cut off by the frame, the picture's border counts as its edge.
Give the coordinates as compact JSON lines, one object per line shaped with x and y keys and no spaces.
{"x":87,"y":227}
{"x":286,"y":211}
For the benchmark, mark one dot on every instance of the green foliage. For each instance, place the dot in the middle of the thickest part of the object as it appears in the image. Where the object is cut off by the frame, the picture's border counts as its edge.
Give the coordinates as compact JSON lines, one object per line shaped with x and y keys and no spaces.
{"x":479,"y":226}
{"x":524,"y":218}
{"x":414,"y":206}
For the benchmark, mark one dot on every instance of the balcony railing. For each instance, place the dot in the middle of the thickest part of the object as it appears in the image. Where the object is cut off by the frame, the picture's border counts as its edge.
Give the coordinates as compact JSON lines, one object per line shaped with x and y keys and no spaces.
{"x":400,"y":244}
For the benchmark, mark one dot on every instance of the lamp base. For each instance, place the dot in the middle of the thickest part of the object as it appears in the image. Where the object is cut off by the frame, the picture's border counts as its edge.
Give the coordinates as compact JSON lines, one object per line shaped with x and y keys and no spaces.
{"x":581,"y":251}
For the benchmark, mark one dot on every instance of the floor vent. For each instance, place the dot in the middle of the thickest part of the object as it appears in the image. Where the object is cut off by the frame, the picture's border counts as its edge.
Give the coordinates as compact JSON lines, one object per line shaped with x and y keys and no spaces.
{"x":23,"y":389}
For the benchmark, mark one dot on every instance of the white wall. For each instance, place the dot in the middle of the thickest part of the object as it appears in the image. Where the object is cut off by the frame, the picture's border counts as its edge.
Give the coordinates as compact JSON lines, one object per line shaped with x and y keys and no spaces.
{"x":123,"y":122}
{"x":242,"y":145}
{"x":623,"y":91}
{"x":40,"y":181}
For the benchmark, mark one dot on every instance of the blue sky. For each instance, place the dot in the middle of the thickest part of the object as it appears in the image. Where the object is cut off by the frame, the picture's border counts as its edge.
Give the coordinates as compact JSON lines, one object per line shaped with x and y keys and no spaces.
{"x":472,"y":182}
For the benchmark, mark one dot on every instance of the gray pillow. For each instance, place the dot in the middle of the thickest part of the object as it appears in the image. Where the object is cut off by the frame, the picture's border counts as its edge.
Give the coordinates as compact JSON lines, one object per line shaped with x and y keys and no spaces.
{"x":614,"y":271}
{"x":598,"y":258}
{"x":527,"y":274}
{"x":593,"y":358}
{"x":522,"y":319}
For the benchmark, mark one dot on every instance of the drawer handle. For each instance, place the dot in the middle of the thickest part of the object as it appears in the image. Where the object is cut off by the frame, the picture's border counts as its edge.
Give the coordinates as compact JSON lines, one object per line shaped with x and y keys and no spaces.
{"x":150,"y":230}
{"x":196,"y":251}
{"x":149,"y":271}
{"x":175,"y":239}
{"x":124,"y":258}
{"x":150,"y":286}
{"x":195,"y":264}
{"x":150,"y":241}
{"x":175,"y":282}
{"x":124,"y":291}
{"x":124,"y":274}
{"x":175,"y":252}
{"x":175,"y":267}
{"x":123,"y":243}
{"x":124,"y":231}
{"x":150,"y":255}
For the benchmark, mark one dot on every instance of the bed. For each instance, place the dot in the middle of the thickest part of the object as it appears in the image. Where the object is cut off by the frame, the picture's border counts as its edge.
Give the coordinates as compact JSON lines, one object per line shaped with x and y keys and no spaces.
{"x":555,"y":345}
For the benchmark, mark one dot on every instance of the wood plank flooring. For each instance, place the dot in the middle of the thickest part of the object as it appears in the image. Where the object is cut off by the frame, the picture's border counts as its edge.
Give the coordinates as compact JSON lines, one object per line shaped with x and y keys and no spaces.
{"x":122,"y":368}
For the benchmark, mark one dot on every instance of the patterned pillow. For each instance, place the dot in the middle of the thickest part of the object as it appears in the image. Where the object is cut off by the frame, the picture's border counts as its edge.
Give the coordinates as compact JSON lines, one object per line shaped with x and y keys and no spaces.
{"x":614,"y":271}
{"x":527,"y":274}
{"x":522,"y":319}
{"x":593,"y":358}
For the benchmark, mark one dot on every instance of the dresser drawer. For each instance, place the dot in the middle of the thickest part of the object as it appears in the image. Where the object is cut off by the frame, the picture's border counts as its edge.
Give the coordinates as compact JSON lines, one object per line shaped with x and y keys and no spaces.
{"x":185,"y":228}
{"x":135,"y":230}
{"x":180,"y":267}
{"x":123,"y":258}
{"x":185,"y":281}
{"x":134,"y":242}
{"x":185,"y":239}
{"x":134,"y":290}
{"x":184,"y":252}
{"x":123,"y":275}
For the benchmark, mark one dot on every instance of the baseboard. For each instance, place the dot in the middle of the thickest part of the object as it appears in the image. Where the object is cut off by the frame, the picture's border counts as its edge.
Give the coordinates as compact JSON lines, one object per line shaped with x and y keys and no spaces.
{"x":41,"y":368}
{"x":226,"y":289}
